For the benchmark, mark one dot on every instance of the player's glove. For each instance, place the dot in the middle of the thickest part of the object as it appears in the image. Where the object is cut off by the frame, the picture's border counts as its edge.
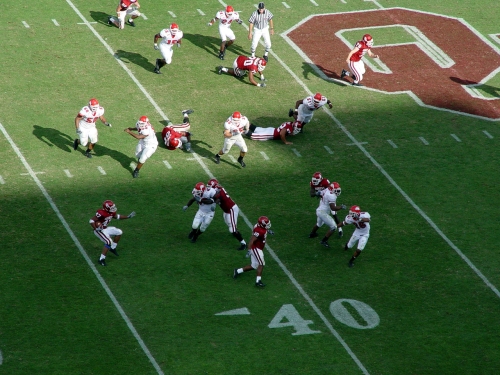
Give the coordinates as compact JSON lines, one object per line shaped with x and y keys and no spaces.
{"x":78,"y":131}
{"x":108,"y":124}
{"x":318,"y":193}
{"x":178,"y":45}
{"x":262,"y":78}
{"x":261,"y":84}
{"x":197,"y":199}
{"x":271,"y":232}
{"x":209,"y":24}
{"x":131,"y":215}
{"x":239,"y":22}
{"x":156,"y":47}
{"x":343,"y":206}
{"x":185,"y":208}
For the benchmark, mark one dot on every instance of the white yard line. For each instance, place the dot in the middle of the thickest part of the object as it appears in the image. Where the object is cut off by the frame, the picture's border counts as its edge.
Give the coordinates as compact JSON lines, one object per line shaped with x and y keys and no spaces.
{"x":68,"y":173}
{"x":488,"y":134}
{"x":172,"y":14}
{"x":456,"y":137}
{"x":285,"y":5}
{"x":264,"y":155}
{"x":392,"y":143}
{"x":201,"y":12}
{"x":25,"y":24}
{"x":55,"y":22}
{"x":101,"y":169}
{"x":328,"y":149}
{"x":424,"y":141}
{"x":2,"y":181}
{"x":167,"y":164}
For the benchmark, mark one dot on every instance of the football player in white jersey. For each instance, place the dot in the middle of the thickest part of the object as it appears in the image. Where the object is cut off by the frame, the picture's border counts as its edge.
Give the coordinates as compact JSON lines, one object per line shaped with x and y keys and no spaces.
{"x":147,"y":145}
{"x":225,"y":19}
{"x":304,"y":108}
{"x":85,"y":126}
{"x":327,"y":204}
{"x":361,"y":221}
{"x":234,"y":127}
{"x":206,"y":209}
{"x":169,"y":36}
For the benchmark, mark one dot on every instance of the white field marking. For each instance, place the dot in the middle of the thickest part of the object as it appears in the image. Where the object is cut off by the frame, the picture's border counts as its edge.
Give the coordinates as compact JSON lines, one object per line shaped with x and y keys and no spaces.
{"x":55,"y":22}
{"x":25,"y":24}
{"x":296,"y":152}
{"x":456,"y":138}
{"x":167,"y":164}
{"x":392,"y":143}
{"x":101,"y":169}
{"x":104,"y":285}
{"x":232,"y":158}
{"x":415,"y":98}
{"x":68,"y":173}
{"x":285,"y":5}
{"x":314,"y":3}
{"x":488,"y":134}
{"x":495,"y":37}
{"x":242,"y":311}
{"x":201,"y":12}
{"x":172,"y":14}
{"x":343,"y":1}
{"x":27,"y":174}
{"x":328,"y":149}
{"x":144,"y":16}
{"x":424,"y":141}
{"x":264,"y":155}
{"x":2,"y":181}
{"x":80,"y":247}
{"x":375,"y":2}
{"x":375,"y":163}
{"x":133,"y":165}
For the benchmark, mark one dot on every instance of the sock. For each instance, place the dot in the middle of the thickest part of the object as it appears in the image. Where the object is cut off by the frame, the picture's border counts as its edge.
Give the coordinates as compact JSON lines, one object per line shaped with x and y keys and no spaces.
{"x":224,"y":70}
{"x":243,"y":242}
{"x":258,"y":279}
{"x":102,"y":257}
{"x":324,"y":239}
{"x":114,"y":245}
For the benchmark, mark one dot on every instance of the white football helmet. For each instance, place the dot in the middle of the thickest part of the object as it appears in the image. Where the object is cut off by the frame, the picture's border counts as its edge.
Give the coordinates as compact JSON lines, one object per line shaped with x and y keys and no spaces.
{"x":367,"y":38}
{"x":316,"y":178}
{"x":143,"y":123}
{"x":199,"y":189}
{"x":93,"y":104}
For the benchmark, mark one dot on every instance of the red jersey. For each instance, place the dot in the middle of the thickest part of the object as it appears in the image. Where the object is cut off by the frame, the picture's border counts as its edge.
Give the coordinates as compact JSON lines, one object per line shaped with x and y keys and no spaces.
{"x":363,"y":49}
{"x":125,"y":4}
{"x":104,"y":217}
{"x":167,"y":134}
{"x":260,"y":235}
{"x":323,"y":184}
{"x":247,"y":63}
{"x":286,"y":125}
{"x":226,"y":203}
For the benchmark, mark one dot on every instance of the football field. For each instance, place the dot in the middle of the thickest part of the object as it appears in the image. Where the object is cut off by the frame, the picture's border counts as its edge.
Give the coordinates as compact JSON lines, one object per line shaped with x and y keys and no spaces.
{"x":417,"y":148}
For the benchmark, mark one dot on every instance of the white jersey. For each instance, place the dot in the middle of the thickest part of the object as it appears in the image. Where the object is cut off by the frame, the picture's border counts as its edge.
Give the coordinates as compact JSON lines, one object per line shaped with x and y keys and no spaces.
{"x":225,"y":20}
{"x":362,"y":228}
{"x":150,"y":139}
{"x":327,"y":197}
{"x":207,"y":208}
{"x":236,"y":130}
{"x":310,"y":105}
{"x":89,"y":117}
{"x":168,"y":39}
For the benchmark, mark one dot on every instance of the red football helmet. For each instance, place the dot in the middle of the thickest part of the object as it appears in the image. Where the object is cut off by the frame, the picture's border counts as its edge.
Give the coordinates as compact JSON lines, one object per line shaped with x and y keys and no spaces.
{"x":236,"y":118}
{"x":335,"y":187}
{"x":109,"y":206}
{"x":367,"y":38}
{"x":264,"y":222}
{"x":316,"y":178}
{"x":229,"y":10}
{"x":212,"y":184}
{"x":175,"y":142}
{"x":93,"y":104}
{"x":261,"y":64}
{"x":173,"y":29}
{"x":318,"y":97}
{"x":142,"y":123}
{"x":355,"y":211}
{"x":199,"y":189}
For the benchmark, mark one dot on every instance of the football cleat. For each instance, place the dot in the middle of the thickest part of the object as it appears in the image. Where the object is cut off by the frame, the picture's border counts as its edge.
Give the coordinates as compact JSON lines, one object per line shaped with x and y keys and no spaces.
{"x":242,"y":163}
{"x":217,"y":159}
{"x":351,"y":264}
{"x":358,"y":84}
{"x":135,"y":174}
{"x":188,"y":146}
{"x":260,"y":284}
{"x":290,"y":112}
{"x":102,"y":262}
{"x":187,"y":111}
{"x":219,"y":69}
{"x":109,"y":20}
{"x":325,"y":243}
{"x":131,"y":23}
{"x":242,"y":247}
{"x":193,"y":240}
{"x":88,"y":154}
{"x":341,"y":233}
{"x":346,"y":248}
{"x":114,"y":252}
{"x":343,"y":74}
{"x":221,"y":55}
{"x":266,"y":58}
{"x":313,"y":235}
{"x":75,"y":144}
{"x":235,"y":273}
{"x":157,"y":71}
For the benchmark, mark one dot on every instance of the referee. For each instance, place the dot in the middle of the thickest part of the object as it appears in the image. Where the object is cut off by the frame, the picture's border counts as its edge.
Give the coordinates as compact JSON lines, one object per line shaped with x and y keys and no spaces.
{"x":261,"y":21}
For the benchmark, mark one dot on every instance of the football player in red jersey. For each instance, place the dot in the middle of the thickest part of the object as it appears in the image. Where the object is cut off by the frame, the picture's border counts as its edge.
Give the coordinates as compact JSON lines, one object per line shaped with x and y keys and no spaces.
{"x":355,"y":62}
{"x":109,"y":235}
{"x":178,"y":136}
{"x":230,"y":210}
{"x":242,"y":64}
{"x":124,"y":8}
{"x":257,"y":133}
{"x":256,"y":245}
{"x":318,"y":184}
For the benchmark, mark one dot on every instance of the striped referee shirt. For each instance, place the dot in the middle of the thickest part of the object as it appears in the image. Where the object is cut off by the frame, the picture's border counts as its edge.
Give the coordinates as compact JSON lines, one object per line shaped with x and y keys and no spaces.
{"x":260,"y":20}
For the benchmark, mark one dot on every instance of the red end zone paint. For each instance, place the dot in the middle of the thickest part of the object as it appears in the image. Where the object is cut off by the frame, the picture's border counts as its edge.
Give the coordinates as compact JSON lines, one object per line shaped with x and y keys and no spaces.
{"x":412,"y":70}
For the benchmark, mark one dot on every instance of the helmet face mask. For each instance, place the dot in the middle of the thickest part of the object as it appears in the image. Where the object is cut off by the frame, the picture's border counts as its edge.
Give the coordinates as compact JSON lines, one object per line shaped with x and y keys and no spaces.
{"x":175,"y":142}
{"x":109,"y":206}
{"x":335,"y":187}
{"x":236,"y":118}
{"x":199,"y":189}
{"x":355,"y":211}
{"x":316,"y":178}
{"x":229,"y":11}
{"x":367,"y":38}
{"x":173,"y":29}
{"x":212,"y":184}
{"x":264,"y":222}
{"x":142,"y":123}
{"x":261,"y":65}
{"x":93,"y":104}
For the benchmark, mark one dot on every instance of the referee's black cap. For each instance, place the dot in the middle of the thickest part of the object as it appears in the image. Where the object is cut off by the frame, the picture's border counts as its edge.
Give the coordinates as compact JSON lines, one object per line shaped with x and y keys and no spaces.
{"x":261,"y":6}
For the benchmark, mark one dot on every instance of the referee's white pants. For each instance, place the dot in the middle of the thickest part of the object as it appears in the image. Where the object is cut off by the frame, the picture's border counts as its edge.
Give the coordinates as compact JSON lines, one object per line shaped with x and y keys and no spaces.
{"x":261,"y":33}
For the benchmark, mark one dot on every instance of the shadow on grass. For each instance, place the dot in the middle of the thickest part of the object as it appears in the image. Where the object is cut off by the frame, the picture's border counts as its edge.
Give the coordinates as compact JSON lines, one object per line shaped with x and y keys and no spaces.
{"x":101,"y":18}
{"x":135,"y":58}
{"x":491,"y":90}
{"x":320,"y":72}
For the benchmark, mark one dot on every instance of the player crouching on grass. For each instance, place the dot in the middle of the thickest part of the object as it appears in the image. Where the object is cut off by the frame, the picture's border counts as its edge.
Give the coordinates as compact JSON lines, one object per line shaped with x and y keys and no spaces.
{"x":242,"y":64}
{"x":124,"y":8}
{"x":109,"y":235}
{"x":178,"y":136}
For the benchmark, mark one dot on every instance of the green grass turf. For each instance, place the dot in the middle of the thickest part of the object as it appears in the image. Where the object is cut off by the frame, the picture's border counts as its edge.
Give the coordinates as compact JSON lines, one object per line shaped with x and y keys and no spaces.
{"x":436,"y":315}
